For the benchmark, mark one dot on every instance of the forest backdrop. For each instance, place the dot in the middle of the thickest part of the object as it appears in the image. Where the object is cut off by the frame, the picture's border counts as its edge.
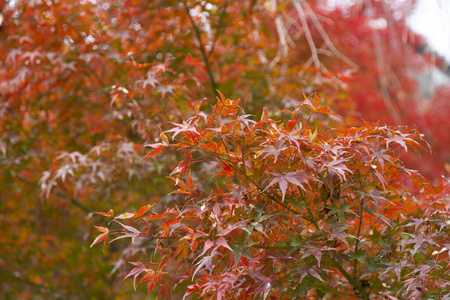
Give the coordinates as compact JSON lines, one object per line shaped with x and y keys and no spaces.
{"x":84,"y":85}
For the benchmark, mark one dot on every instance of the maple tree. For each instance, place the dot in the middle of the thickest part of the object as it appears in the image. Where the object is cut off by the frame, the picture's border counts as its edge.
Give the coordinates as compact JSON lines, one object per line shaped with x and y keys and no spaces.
{"x":85,"y":84}
{"x":295,"y":213}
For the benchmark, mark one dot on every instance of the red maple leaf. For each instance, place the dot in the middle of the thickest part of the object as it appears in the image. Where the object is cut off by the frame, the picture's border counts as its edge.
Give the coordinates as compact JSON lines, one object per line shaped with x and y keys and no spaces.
{"x":296,"y":178}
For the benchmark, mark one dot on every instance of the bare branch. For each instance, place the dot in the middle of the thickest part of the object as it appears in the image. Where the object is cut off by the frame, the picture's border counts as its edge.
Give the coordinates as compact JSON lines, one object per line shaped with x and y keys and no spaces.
{"x":308,"y":35}
{"x":382,"y":78}
{"x":326,"y":38}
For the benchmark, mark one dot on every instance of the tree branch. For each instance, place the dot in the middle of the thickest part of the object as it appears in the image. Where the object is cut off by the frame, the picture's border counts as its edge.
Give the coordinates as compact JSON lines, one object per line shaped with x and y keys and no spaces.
{"x":202,"y":50}
{"x":218,"y":31}
{"x":351,"y":280}
{"x":74,"y":201}
{"x":357,"y":237}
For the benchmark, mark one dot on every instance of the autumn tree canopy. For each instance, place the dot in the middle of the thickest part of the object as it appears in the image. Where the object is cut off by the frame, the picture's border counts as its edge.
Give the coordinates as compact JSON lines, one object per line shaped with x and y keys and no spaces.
{"x":300,"y":188}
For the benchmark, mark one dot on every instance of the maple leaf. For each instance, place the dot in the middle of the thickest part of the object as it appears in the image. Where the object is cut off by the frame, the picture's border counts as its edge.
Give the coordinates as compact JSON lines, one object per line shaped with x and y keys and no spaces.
{"x":418,"y":240}
{"x":32,"y":55}
{"x":154,"y":151}
{"x":375,"y":196}
{"x":295,"y":178}
{"x":278,"y":257}
{"x":337,"y":167}
{"x":63,"y":171}
{"x":305,"y":270}
{"x":381,"y":178}
{"x":88,"y":57}
{"x":327,"y":111}
{"x":220,"y":241}
{"x":205,"y":262}
{"x":74,"y":156}
{"x":12,"y":55}
{"x":396,"y":267}
{"x":293,"y":137}
{"x":337,"y":232}
{"x":316,"y":251}
{"x":400,"y":138}
{"x":378,"y":153}
{"x":264,"y":115}
{"x":424,"y":269}
{"x":165,"y":89}
{"x":245,"y":119}
{"x":157,"y":216}
{"x":227,"y":171}
{"x":305,"y":102}
{"x":275,"y":151}
{"x":149,"y":80}
{"x":25,"y":39}
{"x":415,"y":222}
{"x":336,"y":149}
{"x":191,"y":288}
{"x":340,"y":211}
{"x":161,"y":68}
{"x":207,"y":246}
{"x":238,"y":225}
{"x":143,"y":210}
{"x":133,"y":233}
{"x":187,"y":126}
{"x":68,"y":66}
{"x":139,"y":268}
{"x":23,"y":74}
{"x":101,"y":237}
{"x":126,"y":215}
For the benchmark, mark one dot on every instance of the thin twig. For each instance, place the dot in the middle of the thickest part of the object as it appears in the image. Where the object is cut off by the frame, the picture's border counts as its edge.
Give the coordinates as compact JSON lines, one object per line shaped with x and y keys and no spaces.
{"x":327,"y":39}
{"x":382,"y":78}
{"x":308,"y":35}
{"x":202,"y":50}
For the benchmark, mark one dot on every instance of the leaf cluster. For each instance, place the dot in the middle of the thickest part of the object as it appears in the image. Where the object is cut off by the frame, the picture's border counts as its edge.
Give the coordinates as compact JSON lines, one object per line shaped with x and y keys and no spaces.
{"x":294,"y":212}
